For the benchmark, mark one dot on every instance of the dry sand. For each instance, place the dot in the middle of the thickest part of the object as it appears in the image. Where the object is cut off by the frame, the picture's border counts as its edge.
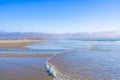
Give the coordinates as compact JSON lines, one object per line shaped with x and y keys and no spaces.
{"x":16,"y":43}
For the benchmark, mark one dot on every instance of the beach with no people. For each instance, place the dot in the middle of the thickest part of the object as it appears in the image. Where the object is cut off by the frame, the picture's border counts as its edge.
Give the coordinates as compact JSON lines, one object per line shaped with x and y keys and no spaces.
{"x":59,"y":39}
{"x":22,"y":66}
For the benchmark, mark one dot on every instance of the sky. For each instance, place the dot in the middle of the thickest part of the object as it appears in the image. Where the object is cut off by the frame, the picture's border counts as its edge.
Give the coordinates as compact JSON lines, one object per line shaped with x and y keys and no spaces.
{"x":59,"y":16}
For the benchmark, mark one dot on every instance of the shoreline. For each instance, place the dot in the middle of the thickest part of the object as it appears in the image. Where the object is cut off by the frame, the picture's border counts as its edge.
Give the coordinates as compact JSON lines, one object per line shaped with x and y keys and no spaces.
{"x":22,"y":66}
{"x":84,"y":65}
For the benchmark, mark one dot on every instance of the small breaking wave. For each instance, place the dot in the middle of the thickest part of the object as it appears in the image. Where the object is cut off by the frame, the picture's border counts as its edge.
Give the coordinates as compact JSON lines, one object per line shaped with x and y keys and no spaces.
{"x":84,"y":65}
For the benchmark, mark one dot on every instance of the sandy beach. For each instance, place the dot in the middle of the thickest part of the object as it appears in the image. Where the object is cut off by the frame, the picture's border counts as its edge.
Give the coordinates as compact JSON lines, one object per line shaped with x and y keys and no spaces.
{"x":22,"y":66}
{"x":25,"y":55}
{"x":16,"y":43}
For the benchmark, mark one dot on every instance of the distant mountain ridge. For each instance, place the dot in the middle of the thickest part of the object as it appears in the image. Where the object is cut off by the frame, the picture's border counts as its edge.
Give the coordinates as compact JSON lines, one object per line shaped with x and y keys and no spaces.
{"x":80,"y":36}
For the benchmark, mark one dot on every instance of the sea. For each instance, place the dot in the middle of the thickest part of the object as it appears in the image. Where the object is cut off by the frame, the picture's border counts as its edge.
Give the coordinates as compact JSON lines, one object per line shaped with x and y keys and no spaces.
{"x":59,"y":46}
{"x":85,"y":60}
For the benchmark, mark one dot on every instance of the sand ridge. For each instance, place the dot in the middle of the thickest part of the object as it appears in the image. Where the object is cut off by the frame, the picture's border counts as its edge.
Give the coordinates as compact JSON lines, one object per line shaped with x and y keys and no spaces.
{"x":17,"y":43}
{"x":25,"y":55}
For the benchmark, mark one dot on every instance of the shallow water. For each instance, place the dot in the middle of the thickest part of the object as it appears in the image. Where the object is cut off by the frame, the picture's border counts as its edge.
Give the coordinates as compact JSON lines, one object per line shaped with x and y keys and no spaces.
{"x":59,"y":46}
{"x":67,"y":45}
{"x":85,"y":65}
{"x":31,"y":51}
{"x":75,"y":60}
{"x":97,"y":60}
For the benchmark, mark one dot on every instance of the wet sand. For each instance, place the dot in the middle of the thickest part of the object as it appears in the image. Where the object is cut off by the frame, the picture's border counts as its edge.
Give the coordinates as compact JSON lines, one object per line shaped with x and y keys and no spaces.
{"x":25,"y":55}
{"x":22,"y":66}
{"x":27,"y":68}
{"x":85,"y":65}
{"x":16,"y":43}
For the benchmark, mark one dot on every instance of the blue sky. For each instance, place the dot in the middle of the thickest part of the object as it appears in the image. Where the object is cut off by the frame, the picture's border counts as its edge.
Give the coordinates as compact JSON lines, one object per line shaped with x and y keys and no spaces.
{"x":59,"y":16}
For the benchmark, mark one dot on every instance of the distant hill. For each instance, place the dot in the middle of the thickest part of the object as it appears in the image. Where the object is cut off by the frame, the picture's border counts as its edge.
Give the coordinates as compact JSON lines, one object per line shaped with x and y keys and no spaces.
{"x":81,"y":36}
